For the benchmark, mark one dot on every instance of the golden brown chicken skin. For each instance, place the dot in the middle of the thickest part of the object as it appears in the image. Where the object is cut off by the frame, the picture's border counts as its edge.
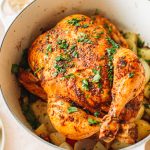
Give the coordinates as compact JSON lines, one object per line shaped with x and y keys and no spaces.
{"x":74,"y":64}
{"x":76,"y":68}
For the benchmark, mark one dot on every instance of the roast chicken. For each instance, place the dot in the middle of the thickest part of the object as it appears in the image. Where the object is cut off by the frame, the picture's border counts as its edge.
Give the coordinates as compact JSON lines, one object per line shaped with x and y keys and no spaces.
{"x":91,"y":80}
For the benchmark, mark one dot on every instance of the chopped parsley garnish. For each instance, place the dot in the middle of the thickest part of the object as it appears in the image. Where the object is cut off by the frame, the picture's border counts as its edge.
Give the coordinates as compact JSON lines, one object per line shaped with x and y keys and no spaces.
{"x":111,"y":51}
{"x":59,"y":69}
{"x":72,"y":109}
{"x":147,"y":106}
{"x":99,"y":85}
{"x":98,"y":35}
{"x":85,"y":84}
{"x":84,"y":38}
{"x":55,"y":74}
{"x":92,"y":121}
{"x":49,"y":48}
{"x":73,"y":47}
{"x":107,"y":27}
{"x":85,"y":26}
{"x":97,"y":76}
{"x":131,"y":75}
{"x":74,"y":22}
{"x":75,"y":54}
{"x":63,"y":44}
{"x":112,"y":42}
{"x":71,"y":75}
{"x":15,"y":68}
{"x":37,"y":70}
{"x":59,"y":58}
{"x":96,"y":114}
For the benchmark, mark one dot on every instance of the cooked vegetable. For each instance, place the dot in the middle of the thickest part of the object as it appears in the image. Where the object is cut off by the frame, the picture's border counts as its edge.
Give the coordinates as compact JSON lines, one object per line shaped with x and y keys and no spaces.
{"x":132,"y":41}
{"x":40,"y":110}
{"x":57,"y":138}
{"x":147,"y":69}
{"x":118,"y":145}
{"x":144,"y":53}
{"x":99,"y":146}
{"x":140,"y":113}
{"x":143,"y":129}
{"x":86,"y":144}
{"x":66,"y":146}
{"x":147,"y":90}
{"x":42,"y":131}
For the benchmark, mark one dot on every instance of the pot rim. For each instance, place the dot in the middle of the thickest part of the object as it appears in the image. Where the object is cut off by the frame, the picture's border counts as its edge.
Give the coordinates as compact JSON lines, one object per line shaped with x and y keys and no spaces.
{"x":18,"y":120}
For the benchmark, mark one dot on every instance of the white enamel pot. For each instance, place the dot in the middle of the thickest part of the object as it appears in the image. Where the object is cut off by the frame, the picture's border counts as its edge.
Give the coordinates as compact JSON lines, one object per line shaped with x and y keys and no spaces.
{"x":43,"y":14}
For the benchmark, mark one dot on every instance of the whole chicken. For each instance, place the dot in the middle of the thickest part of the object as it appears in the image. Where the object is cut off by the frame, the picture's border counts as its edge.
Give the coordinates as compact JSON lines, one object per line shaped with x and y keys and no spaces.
{"x":90,"y":78}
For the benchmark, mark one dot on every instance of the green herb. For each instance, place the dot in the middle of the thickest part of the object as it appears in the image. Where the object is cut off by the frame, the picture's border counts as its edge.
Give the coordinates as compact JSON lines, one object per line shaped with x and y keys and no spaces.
{"x":75,"y":54}
{"x":131,"y":75}
{"x":49,"y":48}
{"x":15,"y":68}
{"x":147,"y":106}
{"x":96,"y":114}
{"x":92,"y":121}
{"x":99,"y":85}
{"x":111,"y":51}
{"x":71,"y":75}
{"x":59,"y":58}
{"x":85,"y":84}
{"x":85,"y":26}
{"x":73,"y":47}
{"x":112,"y":42}
{"x":72,"y":109}
{"x":98,"y":35}
{"x":97,"y":76}
{"x":74,"y":22}
{"x":37,"y":70}
{"x":109,"y":28}
{"x":55,"y":74}
{"x":63,"y":44}
{"x":84,"y":38}
{"x":140,"y":42}
{"x":59,"y":68}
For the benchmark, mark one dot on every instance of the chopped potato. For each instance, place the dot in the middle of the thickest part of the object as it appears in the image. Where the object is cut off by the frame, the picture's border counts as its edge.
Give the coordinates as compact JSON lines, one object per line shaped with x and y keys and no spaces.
{"x":144,"y":53}
{"x":143,"y":129}
{"x":57,"y":138}
{"x":86,"y":144}
{"x":147,"y":91}
{"x":66,"y":146}
{"x":146,"y":68}
{"x":42,"y":131}
{"x":132,"y":41}
{"x":40,"y":110}
{"x":99,"y":146}
{"x":140,"y":113}
{"x":118,"y":145}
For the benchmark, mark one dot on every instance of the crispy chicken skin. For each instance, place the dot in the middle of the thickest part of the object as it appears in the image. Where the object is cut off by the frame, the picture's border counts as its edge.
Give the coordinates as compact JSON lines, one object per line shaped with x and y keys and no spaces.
{"x":74,"y":64}
{"x":31,"y":83}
